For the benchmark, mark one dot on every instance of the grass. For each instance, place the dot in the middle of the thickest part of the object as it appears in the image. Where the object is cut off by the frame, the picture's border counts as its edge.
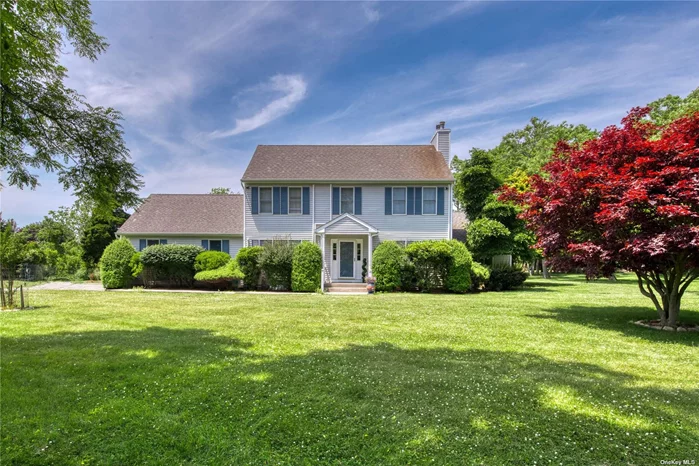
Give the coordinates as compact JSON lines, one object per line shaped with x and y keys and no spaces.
{"x":554,"y":373}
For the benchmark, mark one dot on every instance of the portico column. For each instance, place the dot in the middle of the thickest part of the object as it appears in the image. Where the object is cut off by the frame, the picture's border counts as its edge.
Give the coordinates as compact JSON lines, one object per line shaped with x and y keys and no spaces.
{"x":369,"y":254}
{"x":322,"y":270}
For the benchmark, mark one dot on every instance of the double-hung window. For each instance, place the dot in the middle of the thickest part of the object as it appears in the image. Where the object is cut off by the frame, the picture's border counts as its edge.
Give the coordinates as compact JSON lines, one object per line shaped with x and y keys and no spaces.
{"x":295,"y":200}
{"x":265,"y":200}
{"x":346,"y":201}
{"x":214,"y":245}
{"x":429,"y":201}
{"x":152,"y":242}
{"x":399,"y":201}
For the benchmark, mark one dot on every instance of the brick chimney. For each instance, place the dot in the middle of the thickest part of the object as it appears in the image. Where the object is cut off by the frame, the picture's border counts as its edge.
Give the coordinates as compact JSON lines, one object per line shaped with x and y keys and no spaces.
{"x":442,"y":141}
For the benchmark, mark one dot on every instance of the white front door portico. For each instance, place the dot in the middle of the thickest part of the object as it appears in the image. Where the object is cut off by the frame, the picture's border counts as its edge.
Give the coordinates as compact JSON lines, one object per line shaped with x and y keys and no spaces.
{"x":346,"y":242}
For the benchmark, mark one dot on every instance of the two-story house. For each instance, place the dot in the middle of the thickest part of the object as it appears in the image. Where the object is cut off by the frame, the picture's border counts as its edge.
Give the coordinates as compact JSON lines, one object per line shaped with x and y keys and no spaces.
{"x":346,"y":198}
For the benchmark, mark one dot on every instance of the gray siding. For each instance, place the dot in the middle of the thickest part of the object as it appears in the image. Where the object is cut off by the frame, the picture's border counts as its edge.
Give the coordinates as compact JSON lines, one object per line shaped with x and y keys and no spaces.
{"x":394,"y":227}
{"x":267,"y":226}
{"x":344,"y":226}
{"x":235,"y":242}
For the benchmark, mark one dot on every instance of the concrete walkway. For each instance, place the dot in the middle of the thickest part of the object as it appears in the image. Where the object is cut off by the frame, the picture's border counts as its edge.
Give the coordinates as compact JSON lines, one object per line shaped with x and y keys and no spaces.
{"x":96,"y":286}
{"x":88,"y":286}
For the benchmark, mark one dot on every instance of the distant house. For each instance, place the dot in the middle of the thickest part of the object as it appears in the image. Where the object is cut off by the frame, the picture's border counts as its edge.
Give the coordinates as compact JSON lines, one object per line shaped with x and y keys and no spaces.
{"x":345,"y":198}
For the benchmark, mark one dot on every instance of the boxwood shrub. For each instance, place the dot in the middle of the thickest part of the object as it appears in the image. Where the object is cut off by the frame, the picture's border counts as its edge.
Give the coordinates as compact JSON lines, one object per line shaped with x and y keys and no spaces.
{"x":210,"y":260}
{"x":249,"y":263}
{"x":459,"y":270}
{"x":479,"y":276}
{"x":432,"y":261}
{"x":276,"y":261}
{"x":170,"y":264}
{"x":115,"y":264}
{"x":389,"y":264}
{"x":505,"y":278}
{"x":226,"y":274}
{"x":307,"y":265}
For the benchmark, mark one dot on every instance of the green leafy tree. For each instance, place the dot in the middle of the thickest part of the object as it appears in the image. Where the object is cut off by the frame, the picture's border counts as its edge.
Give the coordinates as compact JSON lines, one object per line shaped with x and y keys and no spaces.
{"x":475,"y":182}
{"x":671,"y":107}
{"x":99,"y":232}
{"x":220,"y":190}
{"x":13,"y":247}
{"x":530,"y":148}
{"x":44,"y":124}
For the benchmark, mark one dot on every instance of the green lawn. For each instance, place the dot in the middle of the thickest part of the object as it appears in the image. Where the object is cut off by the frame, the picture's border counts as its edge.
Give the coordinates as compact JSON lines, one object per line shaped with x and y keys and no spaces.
{"x":554,"y":373}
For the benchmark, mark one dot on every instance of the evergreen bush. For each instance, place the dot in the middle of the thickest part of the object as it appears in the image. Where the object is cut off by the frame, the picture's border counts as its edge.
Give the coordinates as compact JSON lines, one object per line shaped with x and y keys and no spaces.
{"x":210,"y":260}
{"x":276,"y":262}
{"x":249,"y":263}
{"x":307,"y":265}
{"x":115,"y":268}
{"x":172,"y":264}
{"x":389,"y":264}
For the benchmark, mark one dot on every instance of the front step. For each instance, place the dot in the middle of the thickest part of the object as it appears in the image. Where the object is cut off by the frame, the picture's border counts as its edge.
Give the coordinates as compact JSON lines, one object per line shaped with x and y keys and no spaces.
{"x":345,"y":287}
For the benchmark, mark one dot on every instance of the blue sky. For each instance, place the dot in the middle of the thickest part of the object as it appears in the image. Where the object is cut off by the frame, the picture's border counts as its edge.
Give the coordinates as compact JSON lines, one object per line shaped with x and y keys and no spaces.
{"x":200,"y":84}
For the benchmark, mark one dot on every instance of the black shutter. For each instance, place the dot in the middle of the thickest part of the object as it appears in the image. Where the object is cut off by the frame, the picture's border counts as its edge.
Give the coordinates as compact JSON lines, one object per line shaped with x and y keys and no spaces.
{"x":440,"y":201}
{"x":276,"y":200}
{"x":253,"y":200}
{"x":284,"y":200}
{"x":411,"y":201}
{"x":306,"y":201}
{"x":336,"y":201}
{"x":389,"y":201}
{"x":418,"y":201}
{"x":357,"y":201}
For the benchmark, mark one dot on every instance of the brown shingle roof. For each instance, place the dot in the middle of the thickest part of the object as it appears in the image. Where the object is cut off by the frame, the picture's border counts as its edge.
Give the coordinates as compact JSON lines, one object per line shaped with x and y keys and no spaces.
{"x":187,"y":213}
{"x":347,"y":163}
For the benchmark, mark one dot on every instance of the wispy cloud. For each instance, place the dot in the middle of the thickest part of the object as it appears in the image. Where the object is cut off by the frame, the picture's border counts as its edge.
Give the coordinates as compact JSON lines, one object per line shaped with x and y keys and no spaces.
{"x":293,"y":88}
{"x":371,"y":12}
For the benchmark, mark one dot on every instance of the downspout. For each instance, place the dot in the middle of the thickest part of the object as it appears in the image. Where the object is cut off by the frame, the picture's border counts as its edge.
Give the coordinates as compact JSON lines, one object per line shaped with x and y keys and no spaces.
{"x":245,"y":204}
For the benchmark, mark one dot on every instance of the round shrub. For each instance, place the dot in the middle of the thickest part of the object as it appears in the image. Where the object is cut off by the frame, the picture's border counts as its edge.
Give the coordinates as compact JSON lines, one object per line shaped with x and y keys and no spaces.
{"x":486,"y":238}
{"x":210,"y":260}
{"x":249,"y":263}
{"x":505,"y":278}
{"x":459,"y":273}
{"x":172,"y":264}
{"x":389,"y":260}
{"x":227,"y":273}
{"x":277,"y":262}
{"x":432,"y":260}
{"x":479,"y":276}
{"x":307,"y":264}
{"x":115,"y":268}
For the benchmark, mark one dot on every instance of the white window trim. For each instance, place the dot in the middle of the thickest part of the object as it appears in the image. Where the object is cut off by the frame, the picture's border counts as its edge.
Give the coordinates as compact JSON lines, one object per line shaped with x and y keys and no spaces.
{"x":423,"y":199}
{"x":393,"y":199}
{"x":353,"y":188}
{"x":288,"y":200}
{"x":259,"y":200}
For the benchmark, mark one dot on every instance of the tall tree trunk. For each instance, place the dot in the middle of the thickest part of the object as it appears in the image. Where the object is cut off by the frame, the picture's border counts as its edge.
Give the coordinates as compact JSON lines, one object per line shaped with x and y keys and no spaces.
{"x":544,"y":269}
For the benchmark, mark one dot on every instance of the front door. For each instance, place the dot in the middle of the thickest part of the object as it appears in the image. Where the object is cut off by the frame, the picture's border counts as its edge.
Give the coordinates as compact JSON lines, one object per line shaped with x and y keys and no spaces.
{"x":346,"y":259}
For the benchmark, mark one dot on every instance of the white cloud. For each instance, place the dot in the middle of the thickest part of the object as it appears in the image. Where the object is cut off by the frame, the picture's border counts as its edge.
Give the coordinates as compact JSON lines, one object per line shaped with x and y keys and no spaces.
{"x":371,"y":12}
{"x":294,"y":89}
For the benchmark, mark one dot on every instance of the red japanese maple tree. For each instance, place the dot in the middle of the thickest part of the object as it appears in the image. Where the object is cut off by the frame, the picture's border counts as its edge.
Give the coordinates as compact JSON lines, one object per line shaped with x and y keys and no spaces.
{"x":628,"y":199}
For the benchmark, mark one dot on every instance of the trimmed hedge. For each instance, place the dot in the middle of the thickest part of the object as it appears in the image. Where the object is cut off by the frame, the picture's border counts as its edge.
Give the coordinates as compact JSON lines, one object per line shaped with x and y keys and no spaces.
{"x":389,"y":264}
{"x":249,"y":263}
{"x":169,"y":263}
{"x":459,"y":272}
{"x":224,"y":274}
{"x":432,"y":260}
{"x":277,"y":262}
{"x":210,"y":260}
{"x":479,"y":276}
{"x":486,"y":238}
{"x":115,"y":264}
{"x":307,"y":265}
{"x":505,"y":278}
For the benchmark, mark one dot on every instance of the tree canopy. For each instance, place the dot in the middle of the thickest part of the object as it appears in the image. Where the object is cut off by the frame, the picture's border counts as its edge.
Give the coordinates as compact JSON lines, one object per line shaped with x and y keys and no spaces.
{"x":628,"y":199}
{"x":45,"y":125}
{"x":671,"y":107}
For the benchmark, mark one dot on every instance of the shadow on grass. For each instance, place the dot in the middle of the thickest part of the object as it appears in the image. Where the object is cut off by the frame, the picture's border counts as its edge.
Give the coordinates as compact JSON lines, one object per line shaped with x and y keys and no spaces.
{"x":620,"y":319}
{"x":189,"y":396}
